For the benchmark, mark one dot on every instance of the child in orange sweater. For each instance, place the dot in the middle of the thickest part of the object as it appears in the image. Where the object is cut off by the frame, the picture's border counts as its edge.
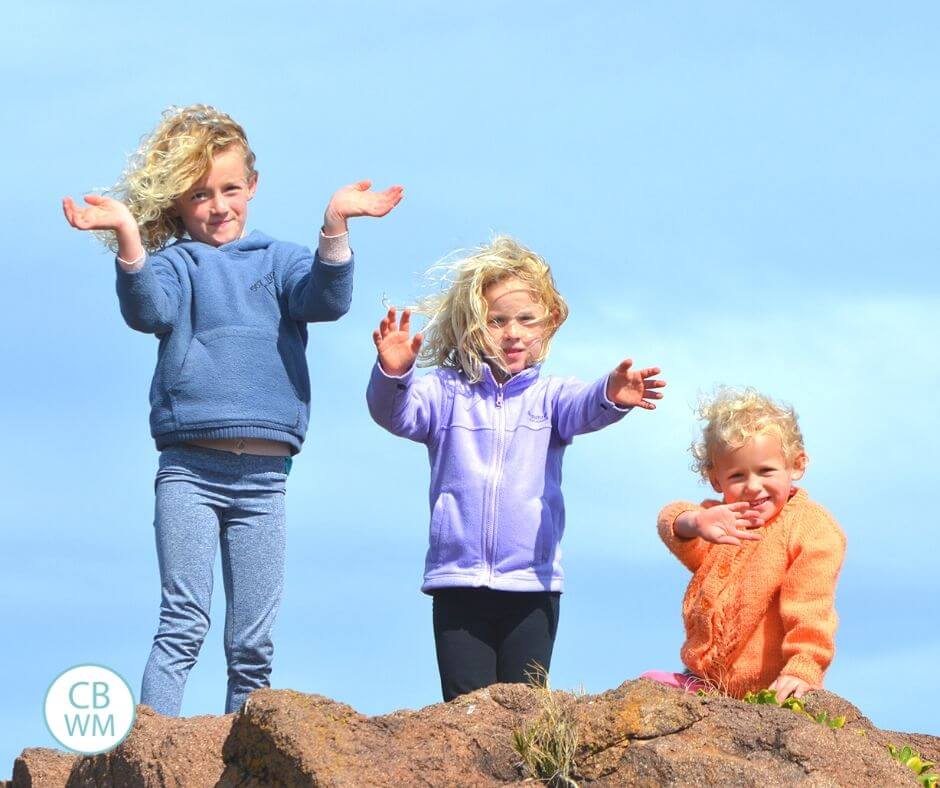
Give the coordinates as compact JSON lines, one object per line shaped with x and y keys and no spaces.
{"x":759,"y":611}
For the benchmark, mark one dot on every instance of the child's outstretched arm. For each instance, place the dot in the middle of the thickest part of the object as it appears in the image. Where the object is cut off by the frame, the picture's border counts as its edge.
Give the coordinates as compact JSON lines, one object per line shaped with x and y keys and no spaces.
{"x":105,"y":213}
{"x":581,"y":408}
{"x":321,"y":289}
{"x":399,"y":402}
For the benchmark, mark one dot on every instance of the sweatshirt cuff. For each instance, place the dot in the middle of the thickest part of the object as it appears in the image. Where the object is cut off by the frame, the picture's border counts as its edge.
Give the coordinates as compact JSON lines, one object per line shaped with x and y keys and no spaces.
{"x":131,"y":266}
{"x":380,"y":373}
{"x":334,"y":249}
{"x":806,"y":668}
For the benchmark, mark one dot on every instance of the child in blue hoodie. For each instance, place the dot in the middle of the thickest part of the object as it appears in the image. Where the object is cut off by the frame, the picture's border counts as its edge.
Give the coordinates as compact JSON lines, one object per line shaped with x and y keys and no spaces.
{"x":496,"y":433}
{"x":230,"y":397}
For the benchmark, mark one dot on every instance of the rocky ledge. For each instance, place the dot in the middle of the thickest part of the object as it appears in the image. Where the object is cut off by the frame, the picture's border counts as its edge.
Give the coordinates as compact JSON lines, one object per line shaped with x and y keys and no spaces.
{"x":641,"y":734}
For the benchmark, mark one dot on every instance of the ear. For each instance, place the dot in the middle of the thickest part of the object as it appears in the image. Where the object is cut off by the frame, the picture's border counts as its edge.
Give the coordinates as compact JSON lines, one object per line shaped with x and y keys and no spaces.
{"x":798,"y":466}
{"x":716,"y":486}
{"x":252,"y":185}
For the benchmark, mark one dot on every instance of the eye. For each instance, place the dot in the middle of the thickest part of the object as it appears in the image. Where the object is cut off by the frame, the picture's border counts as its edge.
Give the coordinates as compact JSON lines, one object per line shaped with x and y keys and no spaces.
{"x":232,"y":189}
{"x":528,"y":320}
{"x":198,"y":196}
{"x":496,"y":322}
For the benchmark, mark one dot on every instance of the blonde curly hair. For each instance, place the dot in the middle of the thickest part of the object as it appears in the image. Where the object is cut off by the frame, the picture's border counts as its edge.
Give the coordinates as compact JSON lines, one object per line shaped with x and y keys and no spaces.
{"x":734,"y":416}
{"x":167,"y":163}
{"x":456,"y":335}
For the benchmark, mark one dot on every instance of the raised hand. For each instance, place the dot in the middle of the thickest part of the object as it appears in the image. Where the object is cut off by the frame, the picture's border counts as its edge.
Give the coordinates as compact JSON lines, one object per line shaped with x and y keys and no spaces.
{"x":789,"y":685}
{"x":101,"y":213}
{"x":105,"y":213}
{"x":632,"y":388}
{"x":357,"y":200}
{"x":727,"y":523}
{"x":397,"y":350}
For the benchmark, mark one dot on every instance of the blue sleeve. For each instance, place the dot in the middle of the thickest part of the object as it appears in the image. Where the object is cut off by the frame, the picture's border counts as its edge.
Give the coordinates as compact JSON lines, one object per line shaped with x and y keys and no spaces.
{"x":316,"y":291}
{"x":150,"y":297}
{"x":584,"y":407}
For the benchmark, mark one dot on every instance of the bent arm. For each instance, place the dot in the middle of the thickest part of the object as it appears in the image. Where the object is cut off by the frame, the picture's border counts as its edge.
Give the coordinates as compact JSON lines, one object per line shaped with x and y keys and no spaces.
{"x":691,"y":552}
{"x":149,"y":294}
{"x":807,"y":599}
{"x":404,"y":405}
{"x":319,"y":287}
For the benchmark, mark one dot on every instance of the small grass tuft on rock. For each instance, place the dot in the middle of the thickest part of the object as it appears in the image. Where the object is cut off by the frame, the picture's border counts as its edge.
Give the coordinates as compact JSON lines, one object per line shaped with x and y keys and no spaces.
{"x":548,"y":743}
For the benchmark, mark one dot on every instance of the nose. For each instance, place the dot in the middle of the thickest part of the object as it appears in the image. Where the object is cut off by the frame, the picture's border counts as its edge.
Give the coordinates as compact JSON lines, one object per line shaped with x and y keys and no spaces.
{"x":752,"y":484}
{"x":219,"y":203}
{"x":512,"y":329}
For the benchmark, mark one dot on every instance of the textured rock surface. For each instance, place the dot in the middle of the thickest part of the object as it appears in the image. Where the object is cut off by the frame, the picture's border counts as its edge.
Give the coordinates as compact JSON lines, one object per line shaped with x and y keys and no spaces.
{"x":640,"y":734}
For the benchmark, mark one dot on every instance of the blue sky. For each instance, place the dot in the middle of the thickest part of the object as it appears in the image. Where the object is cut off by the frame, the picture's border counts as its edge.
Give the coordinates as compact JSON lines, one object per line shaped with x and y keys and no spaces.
{"x":741,"y":193}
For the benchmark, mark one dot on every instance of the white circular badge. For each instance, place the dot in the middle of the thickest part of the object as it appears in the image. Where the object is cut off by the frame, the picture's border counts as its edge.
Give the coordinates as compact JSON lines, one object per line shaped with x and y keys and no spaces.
{"x":89,"y":709}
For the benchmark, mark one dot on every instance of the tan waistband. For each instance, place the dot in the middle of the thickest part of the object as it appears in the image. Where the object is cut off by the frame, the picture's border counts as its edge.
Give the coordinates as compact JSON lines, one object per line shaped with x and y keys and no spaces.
{"x":247,"y":446}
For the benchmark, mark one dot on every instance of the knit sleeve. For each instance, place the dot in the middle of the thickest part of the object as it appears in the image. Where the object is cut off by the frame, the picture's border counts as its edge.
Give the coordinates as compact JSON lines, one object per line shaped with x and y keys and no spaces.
{"x":807,"y":596}
{"x":690,"y":552}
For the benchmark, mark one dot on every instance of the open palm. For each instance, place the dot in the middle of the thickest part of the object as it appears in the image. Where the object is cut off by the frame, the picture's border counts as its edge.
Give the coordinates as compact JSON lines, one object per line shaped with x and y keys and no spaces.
{"x":728,"y":523}
{"x":101,"y":213}
{"x":633,"y":388}
{"x":397,"y":349}
{"x":357,"y":200}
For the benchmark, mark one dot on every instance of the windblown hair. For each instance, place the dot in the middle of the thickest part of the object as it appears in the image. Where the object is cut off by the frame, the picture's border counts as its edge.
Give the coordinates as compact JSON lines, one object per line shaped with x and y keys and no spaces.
{"x":734,"y":416}
{"x":456,"y":335}
{"x":168,"y":162}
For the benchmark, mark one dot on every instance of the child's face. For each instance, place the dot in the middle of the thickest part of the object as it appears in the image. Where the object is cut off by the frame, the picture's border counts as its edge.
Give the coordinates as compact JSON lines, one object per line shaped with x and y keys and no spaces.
{"x":215,"y":208}
{"x":757,"y":472}
{"x":516,"y":322}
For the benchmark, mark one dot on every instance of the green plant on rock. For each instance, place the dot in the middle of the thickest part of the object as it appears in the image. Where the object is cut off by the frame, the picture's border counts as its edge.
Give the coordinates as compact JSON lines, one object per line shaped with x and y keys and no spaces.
{"x":547,"y":745}
{"x":768,"y":697}
{"x":913,"y":761}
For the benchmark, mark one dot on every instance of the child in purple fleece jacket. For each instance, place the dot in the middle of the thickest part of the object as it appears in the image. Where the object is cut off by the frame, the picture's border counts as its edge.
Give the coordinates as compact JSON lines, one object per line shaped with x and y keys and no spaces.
{"x":496,"y":433}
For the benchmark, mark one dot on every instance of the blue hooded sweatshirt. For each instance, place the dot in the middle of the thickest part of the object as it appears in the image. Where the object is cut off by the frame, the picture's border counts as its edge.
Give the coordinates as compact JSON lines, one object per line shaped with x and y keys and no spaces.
{"x":231,"y":321}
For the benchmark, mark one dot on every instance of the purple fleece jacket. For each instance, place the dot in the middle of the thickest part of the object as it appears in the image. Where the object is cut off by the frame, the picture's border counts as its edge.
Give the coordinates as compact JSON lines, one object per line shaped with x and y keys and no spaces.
{"x":497,"y":513}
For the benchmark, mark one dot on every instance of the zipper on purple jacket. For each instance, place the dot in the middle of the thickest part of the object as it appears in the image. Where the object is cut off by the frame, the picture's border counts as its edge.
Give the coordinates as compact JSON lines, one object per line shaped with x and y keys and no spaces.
{"x":497,"y":476}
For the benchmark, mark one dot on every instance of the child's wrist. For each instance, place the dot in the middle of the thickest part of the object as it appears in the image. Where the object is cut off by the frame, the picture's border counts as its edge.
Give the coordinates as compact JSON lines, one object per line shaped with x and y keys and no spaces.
{"x":334,"y":223}
{"x":685,"y":525}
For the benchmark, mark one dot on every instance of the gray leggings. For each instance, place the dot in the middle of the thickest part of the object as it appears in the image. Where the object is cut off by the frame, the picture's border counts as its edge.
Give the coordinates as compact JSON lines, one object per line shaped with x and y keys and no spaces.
{"x":206,"y":499}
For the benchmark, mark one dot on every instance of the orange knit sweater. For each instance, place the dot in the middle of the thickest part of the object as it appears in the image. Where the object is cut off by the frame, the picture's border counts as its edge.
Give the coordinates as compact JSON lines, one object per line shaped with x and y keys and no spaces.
{"x":764,"y":608}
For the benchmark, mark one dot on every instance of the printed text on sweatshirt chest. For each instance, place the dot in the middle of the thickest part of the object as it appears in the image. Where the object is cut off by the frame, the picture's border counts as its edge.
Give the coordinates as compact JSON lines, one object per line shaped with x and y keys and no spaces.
{"x":225,"y":287}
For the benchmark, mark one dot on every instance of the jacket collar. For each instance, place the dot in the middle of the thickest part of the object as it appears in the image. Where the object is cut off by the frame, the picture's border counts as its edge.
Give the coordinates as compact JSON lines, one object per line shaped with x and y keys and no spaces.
{"x":518,"y":382}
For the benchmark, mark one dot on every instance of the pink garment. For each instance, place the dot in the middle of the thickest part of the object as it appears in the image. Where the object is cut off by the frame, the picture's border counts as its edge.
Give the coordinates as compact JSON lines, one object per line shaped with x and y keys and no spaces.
{"x":687,"y":681}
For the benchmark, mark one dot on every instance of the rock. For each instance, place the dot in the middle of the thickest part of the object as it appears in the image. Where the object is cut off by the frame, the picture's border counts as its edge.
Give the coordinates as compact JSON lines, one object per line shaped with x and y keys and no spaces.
{"x":640,"y":733}
{"x":160,"y":751}
{"x":41,"y":767}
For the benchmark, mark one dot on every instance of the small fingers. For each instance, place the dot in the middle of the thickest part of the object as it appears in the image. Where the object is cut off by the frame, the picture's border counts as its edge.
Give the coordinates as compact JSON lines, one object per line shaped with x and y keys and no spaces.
{"x":416,"y":343}
{"x":624,"y":366}
{"x":405,"y":322}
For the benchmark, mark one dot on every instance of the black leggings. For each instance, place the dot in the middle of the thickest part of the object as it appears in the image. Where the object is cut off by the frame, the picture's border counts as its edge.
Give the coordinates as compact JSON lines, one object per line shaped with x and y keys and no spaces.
{"x":484,"y":636}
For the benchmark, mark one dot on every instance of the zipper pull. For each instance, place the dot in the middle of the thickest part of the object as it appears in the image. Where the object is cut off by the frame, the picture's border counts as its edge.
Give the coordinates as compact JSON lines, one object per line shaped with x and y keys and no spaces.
{"x":499,"y":396}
